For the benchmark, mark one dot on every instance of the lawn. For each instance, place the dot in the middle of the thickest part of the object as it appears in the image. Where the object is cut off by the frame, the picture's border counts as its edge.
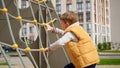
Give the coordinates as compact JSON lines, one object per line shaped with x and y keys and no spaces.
{"x":109,"y":62}
{"x":109,"y":51}
{"x":5,"y":63}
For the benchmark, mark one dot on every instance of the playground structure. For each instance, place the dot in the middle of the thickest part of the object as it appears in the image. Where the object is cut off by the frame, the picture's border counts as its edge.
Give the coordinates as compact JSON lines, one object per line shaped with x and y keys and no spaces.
{"x":24,"y":30}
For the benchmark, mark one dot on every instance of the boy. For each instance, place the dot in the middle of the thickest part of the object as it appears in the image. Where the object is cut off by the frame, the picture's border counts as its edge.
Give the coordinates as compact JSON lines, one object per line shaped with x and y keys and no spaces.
{"x":78,"y":43}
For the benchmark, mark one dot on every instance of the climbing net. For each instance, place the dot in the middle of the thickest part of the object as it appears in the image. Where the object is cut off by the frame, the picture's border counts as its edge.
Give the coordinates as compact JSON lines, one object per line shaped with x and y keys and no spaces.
{"x":41,"y":22}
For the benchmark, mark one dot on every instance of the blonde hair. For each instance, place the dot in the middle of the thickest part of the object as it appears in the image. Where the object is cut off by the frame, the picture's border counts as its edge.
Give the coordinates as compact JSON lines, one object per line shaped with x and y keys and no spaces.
{"x":70,"y":17}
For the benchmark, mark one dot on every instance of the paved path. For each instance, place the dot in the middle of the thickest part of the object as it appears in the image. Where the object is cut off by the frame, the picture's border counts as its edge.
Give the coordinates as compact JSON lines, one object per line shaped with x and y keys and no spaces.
{"x":110,"y":55}
{"x":99,"y":66}
{"x":108,"y":66}
{"x":15,"y":61}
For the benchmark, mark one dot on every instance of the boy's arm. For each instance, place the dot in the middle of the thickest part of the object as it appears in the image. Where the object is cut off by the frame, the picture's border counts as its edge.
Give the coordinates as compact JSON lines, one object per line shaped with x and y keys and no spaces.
{"x":62,"y":41}
{"x":54,"y":30}
{"x":57,"y":31}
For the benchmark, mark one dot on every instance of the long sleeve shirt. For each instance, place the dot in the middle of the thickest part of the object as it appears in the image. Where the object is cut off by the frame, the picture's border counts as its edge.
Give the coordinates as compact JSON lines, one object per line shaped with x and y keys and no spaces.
{"x":63,"y":40}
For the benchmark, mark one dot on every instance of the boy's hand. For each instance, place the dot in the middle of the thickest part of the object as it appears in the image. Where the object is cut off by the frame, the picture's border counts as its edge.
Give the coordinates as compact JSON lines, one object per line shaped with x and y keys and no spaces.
{"x":46,"y":49}
{"x":49,"y":28}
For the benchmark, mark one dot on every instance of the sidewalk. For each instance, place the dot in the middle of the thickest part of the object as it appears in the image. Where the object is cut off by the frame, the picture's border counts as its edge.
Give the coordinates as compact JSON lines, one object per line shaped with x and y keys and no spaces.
{"x":103,"y":53}
{"x":108,"y":66}
{"x":16,"y":63}
{"x":109,"y":55}
{"x":98,"y":66}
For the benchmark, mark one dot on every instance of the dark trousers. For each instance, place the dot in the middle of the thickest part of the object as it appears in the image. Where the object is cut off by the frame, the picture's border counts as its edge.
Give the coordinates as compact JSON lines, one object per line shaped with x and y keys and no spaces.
{"x":91,"y":66}
{"x":70,"y":65}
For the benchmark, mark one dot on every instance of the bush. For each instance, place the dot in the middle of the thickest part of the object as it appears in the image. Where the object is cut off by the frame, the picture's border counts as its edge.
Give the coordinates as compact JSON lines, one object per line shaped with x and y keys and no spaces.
{"x":109,"y":45}
{"x":104,"y":46}
{"x":99,"y":46}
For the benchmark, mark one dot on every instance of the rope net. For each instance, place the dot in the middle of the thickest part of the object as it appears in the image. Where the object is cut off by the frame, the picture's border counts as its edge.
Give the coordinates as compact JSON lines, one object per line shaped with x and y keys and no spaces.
{"x":40,"y":16}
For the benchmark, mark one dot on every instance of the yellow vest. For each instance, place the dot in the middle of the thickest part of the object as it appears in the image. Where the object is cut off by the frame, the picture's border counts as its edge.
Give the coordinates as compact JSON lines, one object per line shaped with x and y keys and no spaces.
{"x":82,"y":53}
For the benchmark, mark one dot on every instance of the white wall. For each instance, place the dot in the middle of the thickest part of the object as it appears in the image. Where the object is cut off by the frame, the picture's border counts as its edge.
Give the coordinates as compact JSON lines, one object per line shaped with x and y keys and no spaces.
{"x":115,"y":20}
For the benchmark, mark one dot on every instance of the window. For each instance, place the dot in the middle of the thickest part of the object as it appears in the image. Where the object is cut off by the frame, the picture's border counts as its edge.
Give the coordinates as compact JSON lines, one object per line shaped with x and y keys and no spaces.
{"x":79,"y":0}
{"x":87,"y":0}
{"x":58,"y":1}
{"x":107,"y":30}
{"x":104,"y":38}
{"x":95,"y":28}
{"x":59,"y":15}
{"x":24,"y":32}
{"x":88,"y":16}
{"x":87,"y":6}
{"x":81,"y":25}
{"x":80,"y":17}
{"x":95,"y":18}
{"x":89,"y":28}
{"x":69,"y":0}
{"x":58,"y":8}
{"x":80,"y":7}
{"x":21,"y":4}
{"x":90,"y":35}
{"x":103,"y":29}
{"x":96,"y":39}
{"x":69,"y":7}
{"x":24,"y":4}
{"x":31,"y":29}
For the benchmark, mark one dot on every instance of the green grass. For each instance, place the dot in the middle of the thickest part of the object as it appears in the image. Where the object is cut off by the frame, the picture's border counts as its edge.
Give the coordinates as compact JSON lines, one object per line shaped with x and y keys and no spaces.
{"x":109,"y":51}
{"x":11,"y":53}
{"x":14,"y":53}
{"x":109,"y":62}
{"x":5,"y":63}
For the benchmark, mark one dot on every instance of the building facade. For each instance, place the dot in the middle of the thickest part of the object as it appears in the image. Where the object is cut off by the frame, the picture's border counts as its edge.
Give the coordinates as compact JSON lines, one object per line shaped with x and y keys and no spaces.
{"x":94,"y":16}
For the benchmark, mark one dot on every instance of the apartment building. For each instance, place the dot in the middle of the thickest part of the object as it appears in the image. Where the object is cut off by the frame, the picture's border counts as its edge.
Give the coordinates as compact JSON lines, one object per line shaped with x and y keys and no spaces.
{"x":94,"y":16}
